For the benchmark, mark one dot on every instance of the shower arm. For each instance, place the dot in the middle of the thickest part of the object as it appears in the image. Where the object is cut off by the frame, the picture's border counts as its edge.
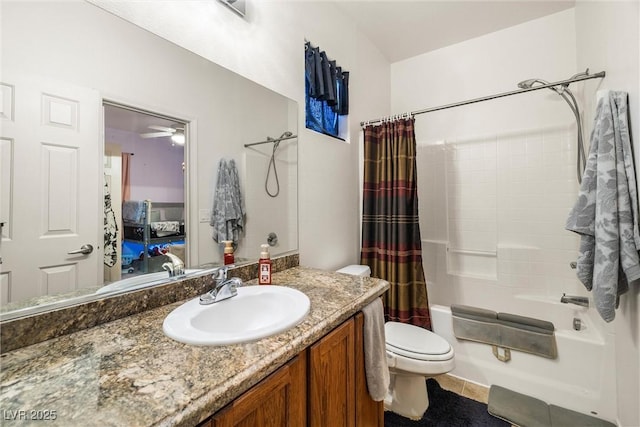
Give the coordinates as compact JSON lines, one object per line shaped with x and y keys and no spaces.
{"x":268,"y":140}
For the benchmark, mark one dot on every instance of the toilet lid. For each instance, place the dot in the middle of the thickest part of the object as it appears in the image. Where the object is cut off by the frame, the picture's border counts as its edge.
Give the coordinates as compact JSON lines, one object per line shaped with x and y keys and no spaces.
{"x":415,"y":342}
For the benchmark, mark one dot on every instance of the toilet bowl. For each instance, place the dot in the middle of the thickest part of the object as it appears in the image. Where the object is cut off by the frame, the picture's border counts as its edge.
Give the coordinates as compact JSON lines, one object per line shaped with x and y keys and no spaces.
{"x":413,"y":354}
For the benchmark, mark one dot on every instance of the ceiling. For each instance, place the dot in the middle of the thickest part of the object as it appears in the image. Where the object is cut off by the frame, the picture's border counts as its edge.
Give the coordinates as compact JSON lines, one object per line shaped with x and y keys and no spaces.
{"x":134,"y":121}
{"x":402,"y":29}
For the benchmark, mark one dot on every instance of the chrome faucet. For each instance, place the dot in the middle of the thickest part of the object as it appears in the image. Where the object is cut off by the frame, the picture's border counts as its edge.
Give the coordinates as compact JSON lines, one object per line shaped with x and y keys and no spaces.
{"x":175,"y":267}
{"x":573,"y":299}
{"x":224,"y":288}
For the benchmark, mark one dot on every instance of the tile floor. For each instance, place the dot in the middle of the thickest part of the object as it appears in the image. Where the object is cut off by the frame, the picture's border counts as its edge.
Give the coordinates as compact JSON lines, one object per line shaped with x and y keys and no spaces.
{"x":464,"y":388}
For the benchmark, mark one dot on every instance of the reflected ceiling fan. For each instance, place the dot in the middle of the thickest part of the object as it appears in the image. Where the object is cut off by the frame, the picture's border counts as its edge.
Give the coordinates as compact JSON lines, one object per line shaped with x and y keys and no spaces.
{"x":176,"y":134}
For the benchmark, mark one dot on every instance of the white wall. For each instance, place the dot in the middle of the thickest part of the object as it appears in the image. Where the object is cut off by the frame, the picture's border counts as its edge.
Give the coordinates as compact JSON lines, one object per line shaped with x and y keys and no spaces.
{"x":267,"y":47}
{"x":609,"y":39}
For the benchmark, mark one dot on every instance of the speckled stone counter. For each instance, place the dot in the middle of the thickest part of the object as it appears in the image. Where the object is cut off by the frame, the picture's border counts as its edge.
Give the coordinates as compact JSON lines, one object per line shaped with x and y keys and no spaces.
{"x":128,"y":373}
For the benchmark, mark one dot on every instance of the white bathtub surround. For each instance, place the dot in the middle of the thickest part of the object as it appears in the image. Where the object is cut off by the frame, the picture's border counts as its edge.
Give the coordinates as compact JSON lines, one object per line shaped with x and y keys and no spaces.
{"x":498,"y":205}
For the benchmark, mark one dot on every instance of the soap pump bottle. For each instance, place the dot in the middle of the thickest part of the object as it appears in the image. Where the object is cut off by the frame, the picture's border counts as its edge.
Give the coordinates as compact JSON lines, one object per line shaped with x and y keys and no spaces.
{"x":228,"y":252}
{"x":264,"y":266}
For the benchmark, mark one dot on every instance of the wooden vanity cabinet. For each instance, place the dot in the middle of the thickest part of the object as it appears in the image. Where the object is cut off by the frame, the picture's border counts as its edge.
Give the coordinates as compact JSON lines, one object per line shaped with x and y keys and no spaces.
{"x":369,"y":413}
{"x":331,"y":398}
{"x":324,"y":386}
{"x":277,"y":401}
{"x":337,"y":388}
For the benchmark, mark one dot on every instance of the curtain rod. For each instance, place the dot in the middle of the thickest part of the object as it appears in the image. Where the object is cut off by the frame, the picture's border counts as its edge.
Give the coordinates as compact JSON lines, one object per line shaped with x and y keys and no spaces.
{"x":490,"y":97}
{"x":271,"y":140}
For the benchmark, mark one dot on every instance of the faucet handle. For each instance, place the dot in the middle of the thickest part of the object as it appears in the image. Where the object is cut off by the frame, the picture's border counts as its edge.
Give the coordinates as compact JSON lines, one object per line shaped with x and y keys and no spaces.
{"x":168,"y":267}
{"x":221,"y":273}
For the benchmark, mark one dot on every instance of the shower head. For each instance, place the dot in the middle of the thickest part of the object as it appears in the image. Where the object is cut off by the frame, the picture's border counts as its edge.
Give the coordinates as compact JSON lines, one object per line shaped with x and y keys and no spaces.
{"x":287,"y":134}
{"x":526,"y":84}
{"x":565,"y":93}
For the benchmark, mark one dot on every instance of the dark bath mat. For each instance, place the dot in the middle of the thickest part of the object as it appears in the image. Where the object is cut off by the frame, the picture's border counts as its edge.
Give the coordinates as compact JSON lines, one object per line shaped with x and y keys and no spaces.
{"x":447,"y":409}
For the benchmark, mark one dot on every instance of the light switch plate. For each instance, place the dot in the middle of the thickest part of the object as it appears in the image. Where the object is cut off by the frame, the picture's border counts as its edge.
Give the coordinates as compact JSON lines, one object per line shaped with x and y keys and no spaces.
{"x":204,"y":215}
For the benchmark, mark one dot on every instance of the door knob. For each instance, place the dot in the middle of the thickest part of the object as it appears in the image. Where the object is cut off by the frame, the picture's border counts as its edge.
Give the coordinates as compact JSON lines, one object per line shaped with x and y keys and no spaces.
{"x":84,"y":250}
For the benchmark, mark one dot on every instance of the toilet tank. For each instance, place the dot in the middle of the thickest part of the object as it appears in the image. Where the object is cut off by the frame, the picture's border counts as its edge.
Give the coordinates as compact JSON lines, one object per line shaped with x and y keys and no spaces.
{"x":356,"y":270}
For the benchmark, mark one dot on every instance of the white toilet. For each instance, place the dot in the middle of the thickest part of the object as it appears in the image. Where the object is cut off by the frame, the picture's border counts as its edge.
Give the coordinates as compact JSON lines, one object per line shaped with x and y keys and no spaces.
{"x":413,"y":354}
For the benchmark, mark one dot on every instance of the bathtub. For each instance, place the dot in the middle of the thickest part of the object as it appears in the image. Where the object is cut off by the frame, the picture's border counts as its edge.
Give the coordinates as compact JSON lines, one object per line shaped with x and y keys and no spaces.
{"x":581,"y":378}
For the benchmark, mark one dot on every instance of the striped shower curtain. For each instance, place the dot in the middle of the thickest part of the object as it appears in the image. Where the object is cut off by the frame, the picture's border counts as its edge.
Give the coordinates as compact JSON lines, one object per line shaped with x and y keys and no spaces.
{"x":391,"y":244}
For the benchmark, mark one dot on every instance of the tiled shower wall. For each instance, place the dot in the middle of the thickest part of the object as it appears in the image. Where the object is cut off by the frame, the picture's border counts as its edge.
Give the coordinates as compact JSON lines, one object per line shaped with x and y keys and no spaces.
{"x":492,"y":212}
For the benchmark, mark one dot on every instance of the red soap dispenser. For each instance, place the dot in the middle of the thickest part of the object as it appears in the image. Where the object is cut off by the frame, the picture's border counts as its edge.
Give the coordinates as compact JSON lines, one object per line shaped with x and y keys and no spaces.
{"x":264,"y":266}
{"x":229,"y":258}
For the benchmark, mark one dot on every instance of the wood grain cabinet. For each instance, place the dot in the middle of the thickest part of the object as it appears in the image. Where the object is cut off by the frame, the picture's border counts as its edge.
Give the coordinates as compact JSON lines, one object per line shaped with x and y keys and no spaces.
{"x":277,"y":401}
{"x":331,"y":398}
{"x":323,"y":386}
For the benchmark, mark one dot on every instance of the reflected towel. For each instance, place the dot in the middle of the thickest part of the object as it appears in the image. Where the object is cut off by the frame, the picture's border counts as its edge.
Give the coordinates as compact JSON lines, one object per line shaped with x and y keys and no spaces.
{"x":606,"y":212}
{"x":173,"y":226}
{"x":133,"y":211}
{"x":228,"y":213}
{"x":375,"y":357}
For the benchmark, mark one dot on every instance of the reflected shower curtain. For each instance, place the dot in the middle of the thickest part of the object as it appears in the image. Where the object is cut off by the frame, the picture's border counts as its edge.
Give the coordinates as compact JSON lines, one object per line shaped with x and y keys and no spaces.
{"x":391,"y":244}
{"x":126,"y":176}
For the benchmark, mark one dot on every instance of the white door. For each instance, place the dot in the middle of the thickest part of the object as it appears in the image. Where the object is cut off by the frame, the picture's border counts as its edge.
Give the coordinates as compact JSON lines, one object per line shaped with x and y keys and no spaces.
{"x":51,"y":191}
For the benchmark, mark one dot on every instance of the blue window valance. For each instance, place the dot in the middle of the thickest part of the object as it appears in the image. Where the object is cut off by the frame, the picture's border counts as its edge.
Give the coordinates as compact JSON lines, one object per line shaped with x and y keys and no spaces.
{"x":327,"y":91}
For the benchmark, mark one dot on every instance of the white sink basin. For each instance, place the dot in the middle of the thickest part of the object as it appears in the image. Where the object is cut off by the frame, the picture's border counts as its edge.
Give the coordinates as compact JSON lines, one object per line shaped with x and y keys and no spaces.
{"x":256,"y":312}
{"x":141,"y":281}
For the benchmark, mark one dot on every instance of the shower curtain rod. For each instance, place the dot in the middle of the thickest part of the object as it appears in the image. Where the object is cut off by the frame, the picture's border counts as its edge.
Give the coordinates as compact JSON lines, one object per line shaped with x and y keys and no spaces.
{"x":490,"y":97}
{"x":270,"y":140}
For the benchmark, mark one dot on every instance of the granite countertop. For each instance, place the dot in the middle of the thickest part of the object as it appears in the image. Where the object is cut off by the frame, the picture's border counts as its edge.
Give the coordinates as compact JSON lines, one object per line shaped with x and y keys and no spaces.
{"x":127,"y":372}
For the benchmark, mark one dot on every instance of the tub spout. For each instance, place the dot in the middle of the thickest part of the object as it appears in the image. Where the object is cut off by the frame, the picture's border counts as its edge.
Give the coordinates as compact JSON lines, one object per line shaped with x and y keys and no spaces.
{"x":573,"y":299}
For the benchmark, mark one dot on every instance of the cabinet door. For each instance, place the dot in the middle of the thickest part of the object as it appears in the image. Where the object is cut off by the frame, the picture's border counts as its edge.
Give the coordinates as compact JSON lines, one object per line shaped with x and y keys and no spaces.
{"x":332,"y":379}
{"x":369,"y":413}
{"x":277,"y":401}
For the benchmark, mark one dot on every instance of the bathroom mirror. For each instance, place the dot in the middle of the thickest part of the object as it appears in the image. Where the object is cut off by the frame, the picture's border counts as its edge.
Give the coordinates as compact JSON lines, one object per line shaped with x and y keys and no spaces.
{"x":66,"y":67}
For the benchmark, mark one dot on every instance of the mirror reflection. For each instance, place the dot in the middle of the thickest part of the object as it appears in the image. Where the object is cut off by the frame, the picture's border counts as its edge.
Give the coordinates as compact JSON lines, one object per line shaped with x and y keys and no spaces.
{"x":144,"y":193}
{"x":109,"y":147}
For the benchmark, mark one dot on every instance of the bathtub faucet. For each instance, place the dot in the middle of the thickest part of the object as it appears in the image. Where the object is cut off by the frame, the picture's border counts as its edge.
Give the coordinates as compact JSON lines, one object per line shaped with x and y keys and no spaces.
{"x":572,"y":299}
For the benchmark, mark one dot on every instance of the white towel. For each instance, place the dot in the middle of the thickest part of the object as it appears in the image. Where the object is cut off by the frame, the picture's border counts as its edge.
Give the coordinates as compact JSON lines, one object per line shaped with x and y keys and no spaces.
{"x":375,"y":358}
{"x":606,"y":212}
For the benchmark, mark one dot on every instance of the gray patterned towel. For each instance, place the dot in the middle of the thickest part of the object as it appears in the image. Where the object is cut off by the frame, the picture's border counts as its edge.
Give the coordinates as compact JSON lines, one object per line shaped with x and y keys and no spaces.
{"x":606,"y":212}
{"x":228,"y":213}
{"x":133,"y":211}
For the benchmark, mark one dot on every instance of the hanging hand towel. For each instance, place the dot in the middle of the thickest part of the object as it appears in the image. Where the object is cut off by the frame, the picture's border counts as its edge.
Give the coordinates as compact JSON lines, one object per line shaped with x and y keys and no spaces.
{"x":227,"y":215}
{"x":606,"y":212}
{"x":375,"y":356}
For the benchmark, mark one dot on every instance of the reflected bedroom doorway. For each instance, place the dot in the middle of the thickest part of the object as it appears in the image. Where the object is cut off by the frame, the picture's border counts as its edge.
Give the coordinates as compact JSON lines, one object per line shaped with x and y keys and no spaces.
{"x":144,"y":173}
